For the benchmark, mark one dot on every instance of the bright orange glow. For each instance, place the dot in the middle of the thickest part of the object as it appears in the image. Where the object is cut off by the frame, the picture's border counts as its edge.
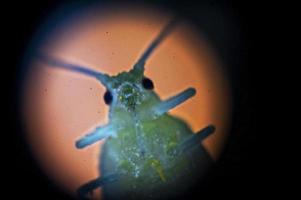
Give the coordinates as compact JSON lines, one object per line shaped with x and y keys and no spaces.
{"x":61,"y":106}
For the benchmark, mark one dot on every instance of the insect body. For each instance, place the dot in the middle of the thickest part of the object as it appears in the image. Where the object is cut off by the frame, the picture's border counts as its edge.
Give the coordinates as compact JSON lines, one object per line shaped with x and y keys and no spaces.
{"x":148,"y":154}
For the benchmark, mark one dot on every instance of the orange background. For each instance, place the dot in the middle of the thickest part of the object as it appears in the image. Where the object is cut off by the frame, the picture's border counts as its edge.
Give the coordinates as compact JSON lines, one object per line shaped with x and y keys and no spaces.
{"x":61,"y":106}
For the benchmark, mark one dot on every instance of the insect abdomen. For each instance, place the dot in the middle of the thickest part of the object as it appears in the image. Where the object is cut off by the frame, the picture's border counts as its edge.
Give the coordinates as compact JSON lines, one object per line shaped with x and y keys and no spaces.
{"x":157,"y":173}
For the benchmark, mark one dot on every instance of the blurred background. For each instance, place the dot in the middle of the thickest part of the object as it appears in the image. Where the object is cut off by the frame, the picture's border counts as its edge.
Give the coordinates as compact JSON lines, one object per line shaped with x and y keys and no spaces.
{"x":60,"y":107}
{"x":224,"y":25}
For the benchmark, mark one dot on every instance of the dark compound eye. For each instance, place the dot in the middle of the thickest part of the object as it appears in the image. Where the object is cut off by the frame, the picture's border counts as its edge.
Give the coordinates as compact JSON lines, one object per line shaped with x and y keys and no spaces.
{"x":108,"y":98}
{"x":147,"y":84}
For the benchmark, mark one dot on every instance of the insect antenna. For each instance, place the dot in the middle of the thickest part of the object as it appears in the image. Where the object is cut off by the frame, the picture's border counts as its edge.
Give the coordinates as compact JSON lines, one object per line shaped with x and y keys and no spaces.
{"x":155,"y":43}
{"x":103,"y":78}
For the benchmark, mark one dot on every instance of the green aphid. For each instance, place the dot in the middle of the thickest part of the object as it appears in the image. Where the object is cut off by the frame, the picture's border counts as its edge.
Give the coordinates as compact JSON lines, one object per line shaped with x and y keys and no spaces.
{"x":148,"y":154}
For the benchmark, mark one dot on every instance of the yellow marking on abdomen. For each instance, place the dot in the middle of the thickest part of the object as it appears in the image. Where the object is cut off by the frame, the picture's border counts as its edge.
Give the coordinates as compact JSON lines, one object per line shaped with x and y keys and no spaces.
{"x":158,"y":168}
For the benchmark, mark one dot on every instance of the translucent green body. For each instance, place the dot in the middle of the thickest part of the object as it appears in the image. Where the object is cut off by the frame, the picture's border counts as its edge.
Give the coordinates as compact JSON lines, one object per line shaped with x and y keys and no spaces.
{"x":143,"y":151}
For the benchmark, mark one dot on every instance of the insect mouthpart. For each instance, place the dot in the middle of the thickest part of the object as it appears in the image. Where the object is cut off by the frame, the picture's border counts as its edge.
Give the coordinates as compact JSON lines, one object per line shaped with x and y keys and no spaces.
{"x":129,"y":95}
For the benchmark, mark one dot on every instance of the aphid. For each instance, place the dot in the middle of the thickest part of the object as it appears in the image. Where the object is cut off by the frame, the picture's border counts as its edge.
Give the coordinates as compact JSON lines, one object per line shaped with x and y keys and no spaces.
{"x":148,"y":153}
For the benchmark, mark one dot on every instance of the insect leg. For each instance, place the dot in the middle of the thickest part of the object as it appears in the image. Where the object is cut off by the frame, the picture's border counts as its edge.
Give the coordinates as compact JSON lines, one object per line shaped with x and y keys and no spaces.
{"x":84,"y":190}
{"x":98,"y":134}
{"x":174,"y":101}
{"x":103,"y":78}
{"x":194,"y":140}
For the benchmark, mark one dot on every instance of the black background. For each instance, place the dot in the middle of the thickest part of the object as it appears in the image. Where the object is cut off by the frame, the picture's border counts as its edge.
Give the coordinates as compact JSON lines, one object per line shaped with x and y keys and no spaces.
{"x":238,"y":174}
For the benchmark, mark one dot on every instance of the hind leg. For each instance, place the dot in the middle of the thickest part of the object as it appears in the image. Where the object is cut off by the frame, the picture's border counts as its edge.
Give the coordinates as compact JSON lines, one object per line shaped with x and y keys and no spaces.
{"x":196,"y":139}
{"x":86,"y":189}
